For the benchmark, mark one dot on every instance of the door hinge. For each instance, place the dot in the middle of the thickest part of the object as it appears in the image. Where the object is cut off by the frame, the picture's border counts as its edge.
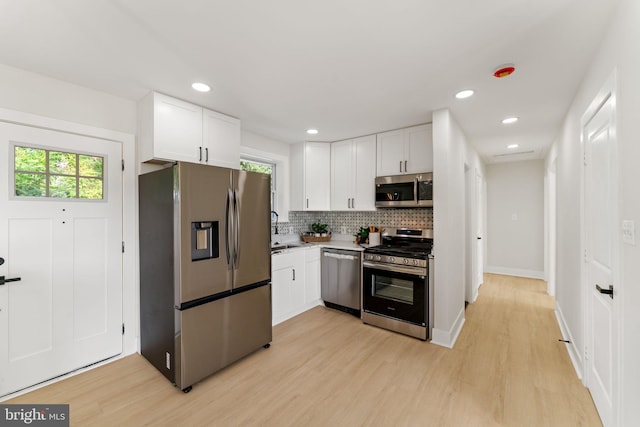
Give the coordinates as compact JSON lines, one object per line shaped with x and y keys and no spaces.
{"x":123,"y":329}
{"x":123,"y":164}
{"x":123,"y":246}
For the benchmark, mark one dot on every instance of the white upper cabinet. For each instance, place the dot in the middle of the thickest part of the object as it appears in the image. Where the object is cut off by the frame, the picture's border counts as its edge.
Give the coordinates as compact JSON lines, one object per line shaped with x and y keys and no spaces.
{"x":310,"y":176}
{"x":173,"y":130}
{"x":221,"y":139}
{"x":408,"y":150}
{"x":353,"y":174}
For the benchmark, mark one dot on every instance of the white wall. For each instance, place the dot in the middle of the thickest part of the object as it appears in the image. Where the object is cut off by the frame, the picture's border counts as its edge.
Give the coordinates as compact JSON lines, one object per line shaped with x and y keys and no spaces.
{"x":41,"y":101}
{"x":34,"y":93}
{"x":449,"y":152}
{"x":515,"y":218}
{"x":262,"y":148}
{"x":620,"y":52}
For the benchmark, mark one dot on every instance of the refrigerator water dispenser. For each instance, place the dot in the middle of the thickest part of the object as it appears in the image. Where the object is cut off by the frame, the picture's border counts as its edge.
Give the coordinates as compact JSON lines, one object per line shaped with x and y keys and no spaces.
{"x":204,"y":240}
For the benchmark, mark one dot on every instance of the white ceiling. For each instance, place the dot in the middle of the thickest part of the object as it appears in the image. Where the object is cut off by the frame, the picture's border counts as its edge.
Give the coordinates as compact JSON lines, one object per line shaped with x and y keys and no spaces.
{"x":346,"y":67}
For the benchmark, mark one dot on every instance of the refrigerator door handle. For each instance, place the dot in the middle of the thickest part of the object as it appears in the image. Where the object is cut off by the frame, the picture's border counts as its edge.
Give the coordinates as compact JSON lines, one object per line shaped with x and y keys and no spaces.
{"x":227,"y":226}
{"x":236,"y":209}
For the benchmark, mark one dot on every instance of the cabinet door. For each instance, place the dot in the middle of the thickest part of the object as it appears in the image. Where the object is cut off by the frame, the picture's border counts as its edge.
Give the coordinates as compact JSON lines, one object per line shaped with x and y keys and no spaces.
{"x":317,"y":175}
{"x":281,"y":298}
{"x":419,"y":149}
{"x":343,"y":174}
{"x":364,"y":153}
{"x":312,"y":277}
{"x":390,"y":158}
{"x":177,"y":129}
{"x":287,"y":284}
{"x":220,"y":139}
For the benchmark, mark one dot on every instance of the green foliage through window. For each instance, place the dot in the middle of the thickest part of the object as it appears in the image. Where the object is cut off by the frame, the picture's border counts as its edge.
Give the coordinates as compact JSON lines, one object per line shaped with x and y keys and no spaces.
{"x":57,"y":174}
{"x":262,"y":167}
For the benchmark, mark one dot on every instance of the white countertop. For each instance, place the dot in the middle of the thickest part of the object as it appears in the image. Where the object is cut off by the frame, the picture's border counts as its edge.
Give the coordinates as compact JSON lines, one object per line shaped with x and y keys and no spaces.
{"x":337,"y":242}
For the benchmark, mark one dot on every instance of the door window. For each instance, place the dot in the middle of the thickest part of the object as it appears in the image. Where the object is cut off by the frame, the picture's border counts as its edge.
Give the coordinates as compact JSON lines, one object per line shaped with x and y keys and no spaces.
{"x":41,"y":172}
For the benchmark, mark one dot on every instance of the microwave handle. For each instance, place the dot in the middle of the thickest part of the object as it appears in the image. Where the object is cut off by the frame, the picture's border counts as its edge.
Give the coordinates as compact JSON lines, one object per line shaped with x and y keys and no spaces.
{"x":415,"y":189}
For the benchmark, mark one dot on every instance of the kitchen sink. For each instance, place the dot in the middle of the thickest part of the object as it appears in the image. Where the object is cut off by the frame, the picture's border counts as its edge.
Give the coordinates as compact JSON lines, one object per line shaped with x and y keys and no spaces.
{"x":277,"y":246}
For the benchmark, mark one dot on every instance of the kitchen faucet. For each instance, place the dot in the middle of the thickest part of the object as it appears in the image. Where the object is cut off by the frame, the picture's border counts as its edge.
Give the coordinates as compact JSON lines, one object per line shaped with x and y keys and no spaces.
{"x":276,"y":214}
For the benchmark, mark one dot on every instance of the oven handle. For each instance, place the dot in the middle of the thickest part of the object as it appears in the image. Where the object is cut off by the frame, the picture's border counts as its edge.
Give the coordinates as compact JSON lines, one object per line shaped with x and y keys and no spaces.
{"x":415,"y":271}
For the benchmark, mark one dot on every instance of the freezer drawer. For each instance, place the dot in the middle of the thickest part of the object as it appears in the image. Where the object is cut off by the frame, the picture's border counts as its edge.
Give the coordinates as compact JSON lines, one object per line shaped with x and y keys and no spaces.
{"x":218,"y":333}
{"x":340,"y":278}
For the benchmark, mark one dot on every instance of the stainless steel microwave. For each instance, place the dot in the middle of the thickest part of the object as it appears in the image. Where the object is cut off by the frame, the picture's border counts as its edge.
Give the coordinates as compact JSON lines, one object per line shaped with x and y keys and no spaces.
{"x":404,"y":191}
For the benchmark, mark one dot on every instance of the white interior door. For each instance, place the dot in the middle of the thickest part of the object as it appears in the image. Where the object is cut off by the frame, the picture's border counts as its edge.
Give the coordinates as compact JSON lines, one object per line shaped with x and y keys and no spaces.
{"x":601,"y":354}
{"x":66,"y":311}
{"x":479,"y":233}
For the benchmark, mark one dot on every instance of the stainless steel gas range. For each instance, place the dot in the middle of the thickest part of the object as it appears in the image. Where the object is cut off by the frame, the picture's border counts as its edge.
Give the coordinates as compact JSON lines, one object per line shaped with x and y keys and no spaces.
{"x":397,"y":292}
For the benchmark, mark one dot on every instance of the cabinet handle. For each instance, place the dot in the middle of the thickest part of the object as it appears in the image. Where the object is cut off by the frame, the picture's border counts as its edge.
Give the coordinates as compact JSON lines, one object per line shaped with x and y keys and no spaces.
{"x":294,"y":274}
{"x":353,"y":203}
{"x":348,"y":203}
{"x":400,"y":165}
{"x":206,"y":155}
{"x":405,"y":166}
{"x":199,"y":154}
{"x":307,"y":203}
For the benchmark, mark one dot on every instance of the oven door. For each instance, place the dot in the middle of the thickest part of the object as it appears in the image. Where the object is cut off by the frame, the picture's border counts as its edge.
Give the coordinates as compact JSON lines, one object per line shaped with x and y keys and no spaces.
{"x":395,"y":291}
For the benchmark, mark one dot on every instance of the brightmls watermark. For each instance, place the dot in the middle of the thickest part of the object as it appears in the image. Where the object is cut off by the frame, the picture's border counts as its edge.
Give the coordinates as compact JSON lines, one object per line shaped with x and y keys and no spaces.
{"x":34,"y":415}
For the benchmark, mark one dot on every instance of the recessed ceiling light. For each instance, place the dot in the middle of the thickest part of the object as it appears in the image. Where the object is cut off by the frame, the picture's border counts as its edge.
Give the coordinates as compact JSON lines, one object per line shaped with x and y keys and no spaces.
{"x":464,"y":94}
{"x":312,"y":131}
{"x":512,"y":146}
{"x":201,"y":87}
{"x":509,"y":120}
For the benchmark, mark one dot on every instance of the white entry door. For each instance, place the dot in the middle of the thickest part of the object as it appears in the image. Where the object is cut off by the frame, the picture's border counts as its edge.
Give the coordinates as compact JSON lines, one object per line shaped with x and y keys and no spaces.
{"x":601,"y":355}
{"x":61,"y":233}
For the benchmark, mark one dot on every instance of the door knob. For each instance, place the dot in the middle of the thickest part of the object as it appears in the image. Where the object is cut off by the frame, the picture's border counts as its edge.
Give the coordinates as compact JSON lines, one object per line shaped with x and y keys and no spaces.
{"x":605,"y":291}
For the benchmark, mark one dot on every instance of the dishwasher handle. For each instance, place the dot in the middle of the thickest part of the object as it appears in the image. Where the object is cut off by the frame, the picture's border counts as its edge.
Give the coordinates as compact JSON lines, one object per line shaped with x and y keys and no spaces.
{"x":340,"y":256}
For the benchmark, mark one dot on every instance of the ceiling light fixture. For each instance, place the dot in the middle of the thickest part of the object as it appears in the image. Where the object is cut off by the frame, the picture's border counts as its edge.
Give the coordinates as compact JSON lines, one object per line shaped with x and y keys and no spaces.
{"x":312,"y":131}
{"x":510,"y":120}
{"x":464,"y":94}
{"x":512,"y":146}
{"x":201,"y":87}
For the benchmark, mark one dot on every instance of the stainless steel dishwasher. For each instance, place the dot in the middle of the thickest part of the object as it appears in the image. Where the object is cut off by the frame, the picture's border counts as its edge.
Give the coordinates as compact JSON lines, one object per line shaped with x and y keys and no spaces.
{"x":341,"y":273}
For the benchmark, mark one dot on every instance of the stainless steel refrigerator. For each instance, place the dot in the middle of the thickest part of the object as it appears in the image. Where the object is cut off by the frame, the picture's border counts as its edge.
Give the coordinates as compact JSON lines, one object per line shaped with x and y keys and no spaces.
{"x":205,"y":269}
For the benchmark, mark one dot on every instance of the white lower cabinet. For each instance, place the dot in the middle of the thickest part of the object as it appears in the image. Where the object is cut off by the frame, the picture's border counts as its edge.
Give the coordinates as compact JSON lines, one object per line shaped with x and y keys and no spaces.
{"x":312,"y":277}
{"x":287,"y":285}
{"x":295,"y":282}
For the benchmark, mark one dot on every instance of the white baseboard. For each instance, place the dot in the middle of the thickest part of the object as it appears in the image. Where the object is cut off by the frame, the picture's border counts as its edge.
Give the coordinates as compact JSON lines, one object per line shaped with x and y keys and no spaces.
{"x":574,"y":353}
{"x":448,"y":338}
{"x":518,"y":272}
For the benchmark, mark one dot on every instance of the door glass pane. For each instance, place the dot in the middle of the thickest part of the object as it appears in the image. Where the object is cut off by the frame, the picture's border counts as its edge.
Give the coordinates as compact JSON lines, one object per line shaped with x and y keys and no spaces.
{"x":29,"y":159}
{"x":90,"y":166}
{"x":90,"y":188}
{"x":62,"y":186}
{"x":393,"y":289}
{"x":62,"y":163}
{"x":31,"y":185}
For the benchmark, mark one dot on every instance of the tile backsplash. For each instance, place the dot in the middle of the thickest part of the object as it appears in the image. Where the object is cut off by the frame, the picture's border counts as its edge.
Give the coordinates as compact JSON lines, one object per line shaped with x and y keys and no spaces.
{"x":350,"y":222}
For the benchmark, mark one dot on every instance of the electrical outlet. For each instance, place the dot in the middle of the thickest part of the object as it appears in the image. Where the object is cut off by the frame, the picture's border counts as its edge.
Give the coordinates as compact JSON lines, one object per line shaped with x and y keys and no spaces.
{"x":290,"y":230}
{"x":629,"y":232}
{"x":343,"y":230}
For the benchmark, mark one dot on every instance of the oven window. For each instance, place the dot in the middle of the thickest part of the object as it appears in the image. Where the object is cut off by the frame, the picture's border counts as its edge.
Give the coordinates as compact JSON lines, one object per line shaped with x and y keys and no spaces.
{"x":394,"y":289}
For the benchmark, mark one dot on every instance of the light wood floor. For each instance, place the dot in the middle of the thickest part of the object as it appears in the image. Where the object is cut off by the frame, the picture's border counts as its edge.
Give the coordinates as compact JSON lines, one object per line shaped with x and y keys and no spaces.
{"x":326,"y":368}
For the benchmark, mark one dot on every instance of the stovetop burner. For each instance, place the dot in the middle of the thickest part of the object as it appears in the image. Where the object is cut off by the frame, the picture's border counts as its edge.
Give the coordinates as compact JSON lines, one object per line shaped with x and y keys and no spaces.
{"x":404,"y":243}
